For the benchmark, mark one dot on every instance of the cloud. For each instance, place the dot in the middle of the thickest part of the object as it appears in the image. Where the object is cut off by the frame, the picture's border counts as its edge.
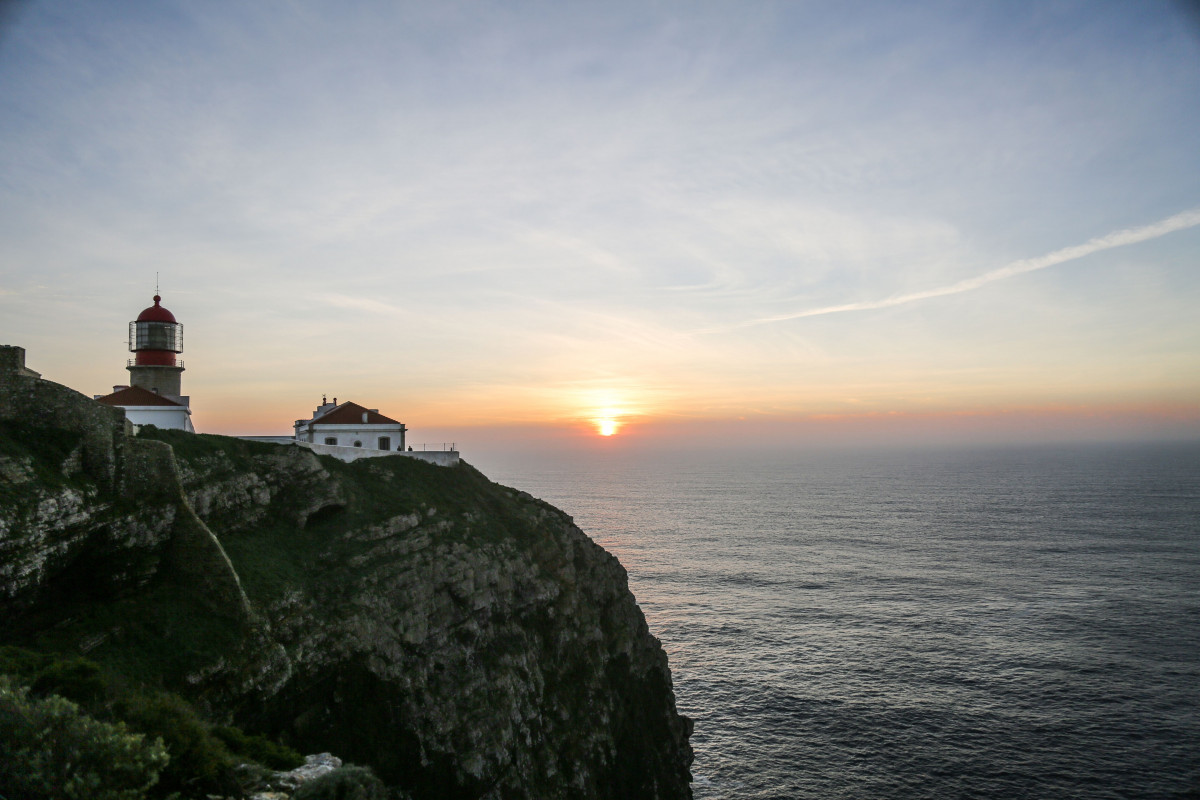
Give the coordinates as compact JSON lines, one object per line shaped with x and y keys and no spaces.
{"x":1178,"y":222}
{"x":359,"y":304}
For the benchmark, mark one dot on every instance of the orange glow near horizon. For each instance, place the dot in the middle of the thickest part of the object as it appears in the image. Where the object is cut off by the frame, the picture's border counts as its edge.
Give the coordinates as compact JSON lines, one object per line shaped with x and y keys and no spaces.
{"x":615,"y":420}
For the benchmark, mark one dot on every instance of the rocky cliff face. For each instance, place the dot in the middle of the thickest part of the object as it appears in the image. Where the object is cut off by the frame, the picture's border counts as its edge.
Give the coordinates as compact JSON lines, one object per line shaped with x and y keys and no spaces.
{"x":464,"y":639}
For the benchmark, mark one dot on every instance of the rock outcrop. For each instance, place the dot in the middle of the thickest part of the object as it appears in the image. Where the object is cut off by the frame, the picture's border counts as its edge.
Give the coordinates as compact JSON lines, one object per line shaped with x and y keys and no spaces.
{"x":88,"y":512}
{"x":462,"y":638}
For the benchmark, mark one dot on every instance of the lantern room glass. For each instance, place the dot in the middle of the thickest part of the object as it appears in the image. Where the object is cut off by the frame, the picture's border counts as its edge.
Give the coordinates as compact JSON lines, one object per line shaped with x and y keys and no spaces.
{"x":156,"y":336}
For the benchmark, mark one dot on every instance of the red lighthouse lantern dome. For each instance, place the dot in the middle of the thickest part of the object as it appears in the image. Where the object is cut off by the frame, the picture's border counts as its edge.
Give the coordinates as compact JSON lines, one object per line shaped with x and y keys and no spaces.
{"x":155,"y":337}
{"x":156,"y":313}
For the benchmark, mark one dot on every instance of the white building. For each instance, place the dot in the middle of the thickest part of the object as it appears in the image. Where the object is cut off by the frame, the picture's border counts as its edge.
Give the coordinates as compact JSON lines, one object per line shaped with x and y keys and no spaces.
{"x":351,"y":425}
{"x":349,"y":432}
{"x":144,"y":407}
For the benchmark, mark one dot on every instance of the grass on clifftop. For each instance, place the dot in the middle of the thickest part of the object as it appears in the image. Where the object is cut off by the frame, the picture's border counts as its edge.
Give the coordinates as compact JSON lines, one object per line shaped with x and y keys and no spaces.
{"x":274,"y":555}
{"x":154,"y":632}
{"x":43,"y":450}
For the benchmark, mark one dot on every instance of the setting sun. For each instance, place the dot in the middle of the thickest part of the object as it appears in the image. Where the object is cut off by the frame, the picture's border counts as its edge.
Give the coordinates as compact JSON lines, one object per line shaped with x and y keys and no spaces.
{"x":607,"y":427}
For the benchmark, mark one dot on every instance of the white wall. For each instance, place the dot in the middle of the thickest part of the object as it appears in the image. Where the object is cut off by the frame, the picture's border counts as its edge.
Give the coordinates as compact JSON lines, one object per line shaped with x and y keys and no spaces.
{"x":176,"y":418}
{"x":443,"y":458}
{"x":347,"y":435}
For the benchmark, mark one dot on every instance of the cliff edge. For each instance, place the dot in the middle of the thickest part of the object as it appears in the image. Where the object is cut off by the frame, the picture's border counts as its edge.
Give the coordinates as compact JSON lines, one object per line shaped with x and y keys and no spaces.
{"x":464,"y":639}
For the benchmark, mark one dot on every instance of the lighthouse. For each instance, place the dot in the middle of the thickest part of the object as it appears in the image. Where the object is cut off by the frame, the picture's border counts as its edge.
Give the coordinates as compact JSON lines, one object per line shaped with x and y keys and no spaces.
{"x":154,"y":394}
{"x":155,"y":338}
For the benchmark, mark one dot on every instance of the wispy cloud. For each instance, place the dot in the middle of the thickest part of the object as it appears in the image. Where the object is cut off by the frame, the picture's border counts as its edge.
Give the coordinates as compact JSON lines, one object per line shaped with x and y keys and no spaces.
{"x":489,"y":210}
{"x":1178,"y":222}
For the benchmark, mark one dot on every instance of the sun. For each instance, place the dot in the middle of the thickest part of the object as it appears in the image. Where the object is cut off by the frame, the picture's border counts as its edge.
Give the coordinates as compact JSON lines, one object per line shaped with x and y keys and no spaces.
{"x":608,"y":416}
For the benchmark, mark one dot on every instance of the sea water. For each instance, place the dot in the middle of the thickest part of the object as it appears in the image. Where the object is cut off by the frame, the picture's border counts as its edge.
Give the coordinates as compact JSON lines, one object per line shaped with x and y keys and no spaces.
{"x":1006,"y":623}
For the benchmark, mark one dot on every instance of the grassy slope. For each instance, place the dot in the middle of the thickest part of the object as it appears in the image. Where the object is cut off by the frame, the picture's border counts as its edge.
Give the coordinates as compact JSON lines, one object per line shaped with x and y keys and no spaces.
{"x":158,"y":632}
{"x":275,"y":555}
{"x":153,"y":633}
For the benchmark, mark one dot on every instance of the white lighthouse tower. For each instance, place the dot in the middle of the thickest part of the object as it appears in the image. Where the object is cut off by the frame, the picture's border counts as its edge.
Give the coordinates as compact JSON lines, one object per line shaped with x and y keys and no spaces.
{"x":154,"y":394}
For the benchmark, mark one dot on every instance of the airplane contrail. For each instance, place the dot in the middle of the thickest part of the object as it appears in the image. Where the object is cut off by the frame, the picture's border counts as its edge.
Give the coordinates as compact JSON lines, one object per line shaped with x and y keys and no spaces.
{"x":1179,"y":222}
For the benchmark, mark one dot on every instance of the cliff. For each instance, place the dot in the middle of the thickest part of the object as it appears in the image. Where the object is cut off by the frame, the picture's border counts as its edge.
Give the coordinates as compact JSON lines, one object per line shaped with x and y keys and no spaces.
{"x":464,"y":639}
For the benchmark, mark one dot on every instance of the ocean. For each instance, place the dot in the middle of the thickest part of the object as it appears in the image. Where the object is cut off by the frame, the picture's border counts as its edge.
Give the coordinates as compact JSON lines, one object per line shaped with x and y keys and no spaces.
{"x":1010,"y":623}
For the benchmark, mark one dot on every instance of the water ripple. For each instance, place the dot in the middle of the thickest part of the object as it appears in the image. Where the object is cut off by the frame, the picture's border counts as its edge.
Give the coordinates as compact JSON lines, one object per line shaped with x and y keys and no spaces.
{"x":1021,"y":623}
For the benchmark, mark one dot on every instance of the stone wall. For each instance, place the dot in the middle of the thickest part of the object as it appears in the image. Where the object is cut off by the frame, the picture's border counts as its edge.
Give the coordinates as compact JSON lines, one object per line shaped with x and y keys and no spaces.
{"x":441,"y":458}
{"x":26,"y":398}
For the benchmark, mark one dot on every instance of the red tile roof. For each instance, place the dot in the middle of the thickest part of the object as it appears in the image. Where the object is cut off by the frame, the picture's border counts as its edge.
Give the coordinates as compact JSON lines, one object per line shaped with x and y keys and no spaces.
{"x":352,"y":414}
{"x":135,"y":396}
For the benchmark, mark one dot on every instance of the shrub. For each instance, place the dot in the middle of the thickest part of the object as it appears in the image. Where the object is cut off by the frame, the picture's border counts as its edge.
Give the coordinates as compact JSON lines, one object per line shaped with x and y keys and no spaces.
{"x":346,"y":783}
{"x":259,"y":748}
{"x":200,"y":755}
{"x":198,"y":760}
{"x":50,"y":750}
{"x":21,"y":665}
{"x":76,"y":679}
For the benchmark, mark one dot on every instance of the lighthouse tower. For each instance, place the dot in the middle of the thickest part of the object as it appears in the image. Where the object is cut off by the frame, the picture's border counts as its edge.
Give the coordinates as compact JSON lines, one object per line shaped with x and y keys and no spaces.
{"x":153,"y":396}
{"x":156,"y":338}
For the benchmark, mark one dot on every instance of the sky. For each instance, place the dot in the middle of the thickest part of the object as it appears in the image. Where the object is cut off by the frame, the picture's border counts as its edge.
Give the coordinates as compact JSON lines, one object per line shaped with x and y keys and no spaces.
{"x":520,"y":223}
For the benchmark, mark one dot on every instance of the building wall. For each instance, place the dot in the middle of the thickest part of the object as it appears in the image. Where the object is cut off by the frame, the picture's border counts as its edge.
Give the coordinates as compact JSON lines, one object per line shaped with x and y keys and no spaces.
{"x":27,"y":398}
{"x":369,"y":435}
{"x":173,"y":417}
{"x":166,"y":381}
{"x":443,"y":458}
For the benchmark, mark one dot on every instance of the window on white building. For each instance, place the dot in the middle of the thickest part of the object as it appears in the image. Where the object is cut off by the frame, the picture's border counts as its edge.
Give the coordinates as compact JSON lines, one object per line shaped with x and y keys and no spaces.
{"x":330,"y":440}
{"x":385,"y":443}
{"x":357,"y":444}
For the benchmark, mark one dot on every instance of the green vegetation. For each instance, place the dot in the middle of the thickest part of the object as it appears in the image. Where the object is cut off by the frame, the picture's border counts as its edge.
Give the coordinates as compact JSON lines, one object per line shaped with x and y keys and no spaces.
{"x":195,"y":445}
{"x":43,"y":451}
{"x":198,"y":758}
{"x":274,"y":558}
{"x":102,"y":733}
{"x":76,"y":679}
{"x":376,"y":488}
{"x":155,"y":636}
{"x":274,"y":554}
{"x":258,"y":748}
{"x":51,"y":750}
{"x":49,"y":447}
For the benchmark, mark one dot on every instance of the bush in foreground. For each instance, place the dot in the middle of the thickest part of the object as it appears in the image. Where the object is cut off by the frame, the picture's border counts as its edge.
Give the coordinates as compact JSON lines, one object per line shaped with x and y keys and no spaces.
{"x":258,"y":748}
{"x":51,"y":750}
{"x":203,"y":759}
